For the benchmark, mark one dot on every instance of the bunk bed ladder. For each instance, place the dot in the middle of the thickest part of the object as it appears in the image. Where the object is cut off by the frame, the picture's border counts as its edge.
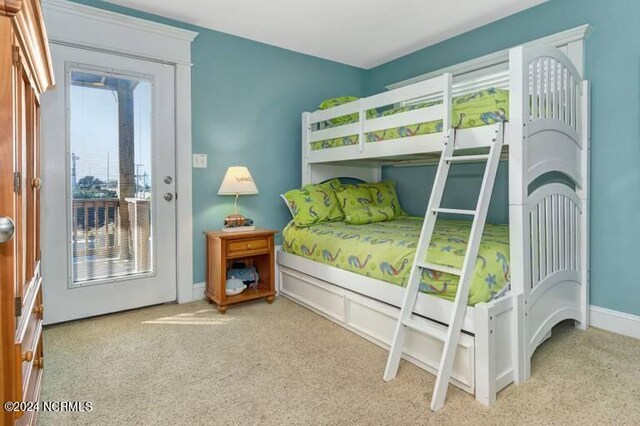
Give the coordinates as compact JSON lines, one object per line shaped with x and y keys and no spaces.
{"x":434,"y":208}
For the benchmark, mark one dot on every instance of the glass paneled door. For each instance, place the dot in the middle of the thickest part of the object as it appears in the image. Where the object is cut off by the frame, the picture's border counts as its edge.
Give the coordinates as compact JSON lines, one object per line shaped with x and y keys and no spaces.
{"x":110,"y":175}
{"x":112,"y":127}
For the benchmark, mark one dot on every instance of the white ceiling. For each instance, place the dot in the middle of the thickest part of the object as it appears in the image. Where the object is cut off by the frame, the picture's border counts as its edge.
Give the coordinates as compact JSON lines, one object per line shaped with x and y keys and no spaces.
{"x":363,"y":33}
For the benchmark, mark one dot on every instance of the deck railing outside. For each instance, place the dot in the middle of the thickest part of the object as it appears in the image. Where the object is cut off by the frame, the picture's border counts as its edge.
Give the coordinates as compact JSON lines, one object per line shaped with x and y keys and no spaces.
{"x":95,"y":228}
{"x":102,"y":247}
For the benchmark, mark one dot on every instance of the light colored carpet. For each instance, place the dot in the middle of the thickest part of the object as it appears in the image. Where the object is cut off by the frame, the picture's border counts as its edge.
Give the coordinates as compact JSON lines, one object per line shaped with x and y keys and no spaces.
{"x":282,"y":364}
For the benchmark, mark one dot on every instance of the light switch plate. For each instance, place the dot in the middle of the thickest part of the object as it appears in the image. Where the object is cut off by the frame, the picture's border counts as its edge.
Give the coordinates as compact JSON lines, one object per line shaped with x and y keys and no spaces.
{"x":199,"y":161}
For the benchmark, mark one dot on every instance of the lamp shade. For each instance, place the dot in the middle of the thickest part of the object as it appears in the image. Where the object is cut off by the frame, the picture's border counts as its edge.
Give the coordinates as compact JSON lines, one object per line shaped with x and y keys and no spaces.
{"x":237,"y":180}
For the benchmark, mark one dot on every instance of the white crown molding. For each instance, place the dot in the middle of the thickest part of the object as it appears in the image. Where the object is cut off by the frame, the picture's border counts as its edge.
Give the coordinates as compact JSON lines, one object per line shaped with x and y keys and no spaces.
{"x":615,"y":321}
{"x":86,"y":27}
{"x":119,"y":19}
{"x":560,"y":39}
{"x":564,"y":37}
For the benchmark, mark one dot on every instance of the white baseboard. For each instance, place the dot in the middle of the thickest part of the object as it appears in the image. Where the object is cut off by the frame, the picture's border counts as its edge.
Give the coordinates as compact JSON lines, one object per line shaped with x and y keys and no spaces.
{"x":615,"y":321}
{"x":198,"y":291}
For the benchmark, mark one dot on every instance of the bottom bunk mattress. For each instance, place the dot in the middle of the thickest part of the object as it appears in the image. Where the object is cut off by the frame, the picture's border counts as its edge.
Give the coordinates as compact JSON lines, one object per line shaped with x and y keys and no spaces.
{"x":385,"y":251}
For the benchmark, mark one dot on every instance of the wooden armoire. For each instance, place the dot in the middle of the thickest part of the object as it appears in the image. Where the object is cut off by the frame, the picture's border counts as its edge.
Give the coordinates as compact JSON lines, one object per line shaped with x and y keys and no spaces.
{"x":25,"y":72}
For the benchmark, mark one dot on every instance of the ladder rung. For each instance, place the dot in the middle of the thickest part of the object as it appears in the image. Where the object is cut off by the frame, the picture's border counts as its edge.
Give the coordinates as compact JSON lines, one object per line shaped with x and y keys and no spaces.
{"x":468,"y":158}
{"x":421,"y":328}
{"x":455,"y":211}
{"x":441,"y":268}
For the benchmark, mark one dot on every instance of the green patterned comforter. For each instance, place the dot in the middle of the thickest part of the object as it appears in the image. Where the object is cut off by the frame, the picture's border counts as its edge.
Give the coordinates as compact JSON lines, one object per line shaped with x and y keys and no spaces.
{"x":385,"y":251}
{"x":473,"y":110}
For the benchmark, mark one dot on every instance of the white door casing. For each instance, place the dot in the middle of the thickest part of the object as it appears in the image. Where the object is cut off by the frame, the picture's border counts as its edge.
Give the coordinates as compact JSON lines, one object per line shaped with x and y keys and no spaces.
{"x":65,"y":300}
{"x":78,"y":25}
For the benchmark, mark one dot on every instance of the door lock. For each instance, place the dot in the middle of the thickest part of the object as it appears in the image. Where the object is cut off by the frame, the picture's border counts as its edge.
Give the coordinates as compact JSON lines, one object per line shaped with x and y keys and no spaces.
{"x":168,"y":180}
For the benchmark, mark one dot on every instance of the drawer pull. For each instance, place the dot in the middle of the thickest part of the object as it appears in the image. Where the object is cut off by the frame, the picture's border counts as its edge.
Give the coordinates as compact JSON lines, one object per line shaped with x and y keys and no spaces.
{"x":38,"y":362}
{"x":27,"y":356}
{"x":39,"y":310}
{"x":249,"y":246}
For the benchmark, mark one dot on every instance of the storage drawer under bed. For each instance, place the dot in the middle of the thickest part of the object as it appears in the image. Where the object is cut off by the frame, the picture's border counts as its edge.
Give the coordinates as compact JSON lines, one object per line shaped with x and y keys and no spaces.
{"x":376,"y":322}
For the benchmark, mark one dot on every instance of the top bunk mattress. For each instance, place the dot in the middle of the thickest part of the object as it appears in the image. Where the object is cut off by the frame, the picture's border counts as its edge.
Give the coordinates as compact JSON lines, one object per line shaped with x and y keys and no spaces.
{"x":476,"y":109}
{"x":385,"y":251}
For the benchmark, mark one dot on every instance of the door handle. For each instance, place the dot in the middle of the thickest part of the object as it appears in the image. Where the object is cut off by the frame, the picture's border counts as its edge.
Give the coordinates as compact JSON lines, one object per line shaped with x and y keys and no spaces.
{"x":7,"y":229}
{"x":168,"y":196}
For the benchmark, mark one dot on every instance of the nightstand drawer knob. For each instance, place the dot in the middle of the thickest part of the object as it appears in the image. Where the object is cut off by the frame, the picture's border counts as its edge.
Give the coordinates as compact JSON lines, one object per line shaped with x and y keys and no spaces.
{"x":248,"y":245}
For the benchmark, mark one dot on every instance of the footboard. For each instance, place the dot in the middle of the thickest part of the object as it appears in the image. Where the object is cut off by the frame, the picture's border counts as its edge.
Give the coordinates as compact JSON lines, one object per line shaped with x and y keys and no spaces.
{"x":549,"y":219}
{"x":556,"y":281}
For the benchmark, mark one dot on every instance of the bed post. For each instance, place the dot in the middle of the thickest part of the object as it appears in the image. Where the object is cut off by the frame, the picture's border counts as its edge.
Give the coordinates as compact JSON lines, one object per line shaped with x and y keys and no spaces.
{"x":447,"y":93}
{"x":583,"y":194}
{"x":518,"y":223}
{"x":306,"y":168}
{"x":486,"y":356}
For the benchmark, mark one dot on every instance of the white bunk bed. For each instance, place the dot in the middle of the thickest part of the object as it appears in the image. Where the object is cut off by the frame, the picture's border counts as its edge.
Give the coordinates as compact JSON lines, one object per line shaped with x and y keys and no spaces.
{"x":548,"y":131}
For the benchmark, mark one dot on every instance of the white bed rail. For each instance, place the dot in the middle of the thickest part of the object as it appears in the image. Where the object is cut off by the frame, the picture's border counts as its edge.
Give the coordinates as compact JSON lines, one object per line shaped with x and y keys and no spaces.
{"x":319,"y":130}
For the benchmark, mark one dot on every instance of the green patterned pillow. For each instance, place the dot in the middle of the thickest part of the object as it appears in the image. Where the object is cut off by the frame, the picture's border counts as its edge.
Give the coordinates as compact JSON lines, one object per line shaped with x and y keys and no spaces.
{"x":364,"y":215}
{"x":329,"y":199}
{"x":354,"y":197}
{"x":334,"y":102}
{"x":307,"y":206}
{"x":344,"y":119}
{"x":314,"y":203}
{"x":384,"y":195}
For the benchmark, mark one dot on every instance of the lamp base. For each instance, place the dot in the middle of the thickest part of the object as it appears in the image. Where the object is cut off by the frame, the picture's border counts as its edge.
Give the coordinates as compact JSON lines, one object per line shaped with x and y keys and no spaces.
{"x":237,"y":223}
{"x":235,"y":219}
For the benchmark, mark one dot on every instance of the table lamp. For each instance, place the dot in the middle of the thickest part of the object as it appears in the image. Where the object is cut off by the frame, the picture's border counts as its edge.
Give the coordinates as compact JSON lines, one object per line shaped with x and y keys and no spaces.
{"x":237,"y":181}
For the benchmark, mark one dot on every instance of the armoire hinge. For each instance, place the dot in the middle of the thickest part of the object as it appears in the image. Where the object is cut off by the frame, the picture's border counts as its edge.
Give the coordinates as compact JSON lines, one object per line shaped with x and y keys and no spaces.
{"x":16,"y":55}
{"x":17,"y":178}
{"x":18,"y":306}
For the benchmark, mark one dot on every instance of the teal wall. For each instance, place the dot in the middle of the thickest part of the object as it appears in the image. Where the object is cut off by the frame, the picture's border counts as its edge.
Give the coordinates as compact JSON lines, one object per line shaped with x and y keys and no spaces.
{"x":613,"y":66}
{"x":247,"y":98}
{"x":462,"y":190}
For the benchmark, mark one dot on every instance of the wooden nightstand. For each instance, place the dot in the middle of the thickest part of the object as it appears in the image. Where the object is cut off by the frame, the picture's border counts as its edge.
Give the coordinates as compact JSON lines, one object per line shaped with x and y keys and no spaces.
{"x":254,"y":248}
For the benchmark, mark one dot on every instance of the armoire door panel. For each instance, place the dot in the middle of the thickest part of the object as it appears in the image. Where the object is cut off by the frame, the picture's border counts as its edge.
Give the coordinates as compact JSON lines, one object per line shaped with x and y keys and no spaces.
{"x":20,"y":217}
{"x":25,"y":71}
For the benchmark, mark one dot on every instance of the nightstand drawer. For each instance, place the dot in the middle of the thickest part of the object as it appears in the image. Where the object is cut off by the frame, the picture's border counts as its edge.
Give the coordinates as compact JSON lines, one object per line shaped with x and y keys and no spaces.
{"x":248,"y":246}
